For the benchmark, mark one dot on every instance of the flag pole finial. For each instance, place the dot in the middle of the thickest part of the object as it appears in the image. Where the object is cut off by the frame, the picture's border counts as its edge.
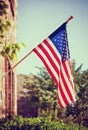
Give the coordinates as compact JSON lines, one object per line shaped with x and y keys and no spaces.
{"x":71,"y":17}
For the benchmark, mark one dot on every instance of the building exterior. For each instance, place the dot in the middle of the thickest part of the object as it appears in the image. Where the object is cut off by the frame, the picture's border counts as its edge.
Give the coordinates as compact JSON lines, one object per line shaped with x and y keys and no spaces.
{"x":8,"y":92}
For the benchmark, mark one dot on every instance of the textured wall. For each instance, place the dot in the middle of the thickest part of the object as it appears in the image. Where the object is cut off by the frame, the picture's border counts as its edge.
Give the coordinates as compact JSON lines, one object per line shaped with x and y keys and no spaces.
{"x":8,"y":102}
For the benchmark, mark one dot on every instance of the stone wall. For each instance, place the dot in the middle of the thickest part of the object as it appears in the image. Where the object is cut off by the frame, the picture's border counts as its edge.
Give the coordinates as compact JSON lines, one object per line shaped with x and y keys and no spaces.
{"x":8,"y":102}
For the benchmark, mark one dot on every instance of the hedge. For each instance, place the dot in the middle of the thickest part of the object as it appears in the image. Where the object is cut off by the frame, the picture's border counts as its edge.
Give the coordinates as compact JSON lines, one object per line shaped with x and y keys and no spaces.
{"x":40,"y":123}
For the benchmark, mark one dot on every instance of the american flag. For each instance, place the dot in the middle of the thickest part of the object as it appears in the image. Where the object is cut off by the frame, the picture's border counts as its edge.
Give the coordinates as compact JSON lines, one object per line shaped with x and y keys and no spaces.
{"x":54,"y":53}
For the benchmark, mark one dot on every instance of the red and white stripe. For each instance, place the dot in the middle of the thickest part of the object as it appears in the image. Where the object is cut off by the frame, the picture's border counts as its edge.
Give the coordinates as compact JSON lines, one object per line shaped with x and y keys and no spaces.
{"x":60,"y":71}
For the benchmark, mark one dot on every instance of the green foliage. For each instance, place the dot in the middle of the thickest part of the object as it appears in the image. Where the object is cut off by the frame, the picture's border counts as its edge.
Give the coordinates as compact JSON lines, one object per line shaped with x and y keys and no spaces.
{"x":40,"y":123}
{"x":4,"y":27}
{"x":11,"y":50}
{"x":41,"y":94}
{"x":4,"y":22}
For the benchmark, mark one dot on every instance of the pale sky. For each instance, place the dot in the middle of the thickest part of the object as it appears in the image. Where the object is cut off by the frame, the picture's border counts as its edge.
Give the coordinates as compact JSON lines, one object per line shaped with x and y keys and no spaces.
{"x":37,"y":19}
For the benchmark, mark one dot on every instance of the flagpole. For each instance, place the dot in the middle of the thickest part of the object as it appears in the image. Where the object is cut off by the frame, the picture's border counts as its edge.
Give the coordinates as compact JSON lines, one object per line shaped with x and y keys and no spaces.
{"x":19,"y":62}
{"x":70,"y":18}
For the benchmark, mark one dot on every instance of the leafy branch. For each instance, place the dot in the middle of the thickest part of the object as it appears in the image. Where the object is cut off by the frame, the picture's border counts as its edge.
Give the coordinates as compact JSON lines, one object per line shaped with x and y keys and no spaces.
{"x":9,"y":49}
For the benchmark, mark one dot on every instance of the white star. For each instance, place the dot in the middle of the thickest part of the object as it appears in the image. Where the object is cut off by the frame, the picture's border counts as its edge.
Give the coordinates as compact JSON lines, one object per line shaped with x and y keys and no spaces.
{"x":55,"y":40}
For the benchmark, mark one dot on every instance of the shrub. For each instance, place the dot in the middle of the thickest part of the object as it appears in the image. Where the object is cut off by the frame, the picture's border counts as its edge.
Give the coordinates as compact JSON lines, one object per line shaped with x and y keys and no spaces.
{"x":40,"y":123}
